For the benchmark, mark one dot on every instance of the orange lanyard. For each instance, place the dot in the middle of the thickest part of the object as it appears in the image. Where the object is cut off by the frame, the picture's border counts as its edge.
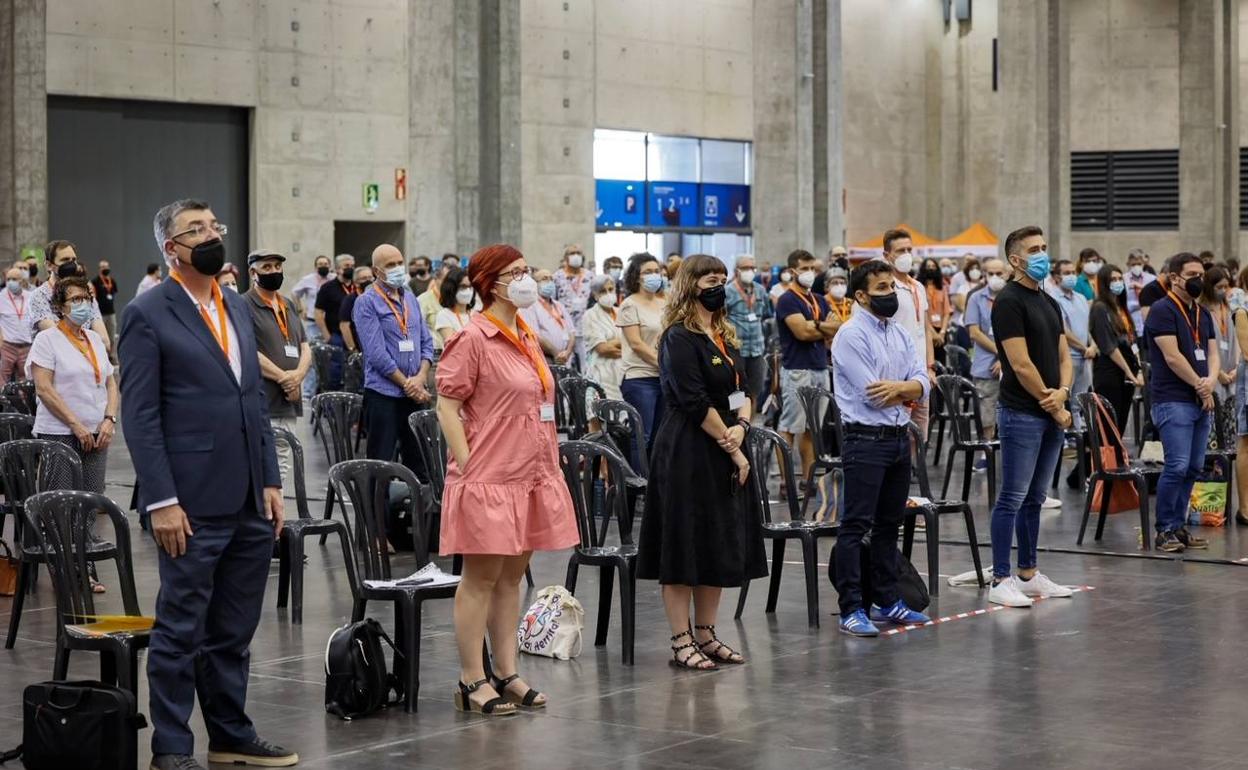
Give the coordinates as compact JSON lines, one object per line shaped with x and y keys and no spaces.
{"x":279,"y":312}
{"x":539,"y":363}
{"x":811,"y":303}
{"x":838,"y":304}
{"x":222,"y":337}
{"x":553,"y":308}
{"x":402,"y":319}
{"x":748,"y":297}
{"x":1126,"y":324}
{"x":723,"y":348}
{"x":83,"y":346}
{"x":1194,"y":326}
{"x":21,"y":311}
{"x":1222,"y":318}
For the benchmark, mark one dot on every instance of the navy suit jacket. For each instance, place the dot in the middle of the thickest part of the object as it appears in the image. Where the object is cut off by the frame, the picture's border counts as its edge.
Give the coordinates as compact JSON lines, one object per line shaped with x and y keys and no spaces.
{"x":194,"y":432}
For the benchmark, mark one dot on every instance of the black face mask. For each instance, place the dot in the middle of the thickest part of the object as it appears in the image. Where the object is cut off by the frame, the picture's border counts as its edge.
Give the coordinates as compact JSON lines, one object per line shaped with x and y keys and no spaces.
{"x":364,"y":286}
{"x":270,"y":281}
{"x":1194,"y":287}
{"x":34,"y":271}
{"x":422,"y":274}
{"x":713,"y":298}
{"x":105,"y":271}
{"x":347,"y":274}
{"x":208,"y":257}
{"x":67,"y":269}
{"x":323,"y":272}
{"x":883,"y":305}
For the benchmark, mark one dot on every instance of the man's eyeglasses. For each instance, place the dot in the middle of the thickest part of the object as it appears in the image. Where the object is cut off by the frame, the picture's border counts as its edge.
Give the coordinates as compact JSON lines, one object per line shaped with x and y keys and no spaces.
{"x":200,"y":229}
{"x":82,"y":299}
{"x":517,"y":273}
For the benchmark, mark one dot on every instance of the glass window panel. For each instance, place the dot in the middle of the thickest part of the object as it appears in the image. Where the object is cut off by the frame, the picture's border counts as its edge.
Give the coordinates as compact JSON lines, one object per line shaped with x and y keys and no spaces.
{"x":672,"y":158}
{"x":725,"y":162}
{"x":619,"y":154}
{"x":617,"y":243}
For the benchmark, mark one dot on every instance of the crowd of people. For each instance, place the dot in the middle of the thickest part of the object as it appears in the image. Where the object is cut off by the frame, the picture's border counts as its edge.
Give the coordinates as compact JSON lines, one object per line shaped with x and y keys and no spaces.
{"x":703,"y":350}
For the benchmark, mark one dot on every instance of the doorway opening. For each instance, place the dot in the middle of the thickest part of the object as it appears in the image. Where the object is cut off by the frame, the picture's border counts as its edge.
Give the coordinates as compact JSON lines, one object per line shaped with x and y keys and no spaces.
{"x":359,"y":238}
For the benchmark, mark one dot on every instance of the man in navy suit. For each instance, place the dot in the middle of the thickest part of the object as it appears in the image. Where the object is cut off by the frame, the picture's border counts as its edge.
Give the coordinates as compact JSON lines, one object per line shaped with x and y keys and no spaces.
{"x":198,"y":430}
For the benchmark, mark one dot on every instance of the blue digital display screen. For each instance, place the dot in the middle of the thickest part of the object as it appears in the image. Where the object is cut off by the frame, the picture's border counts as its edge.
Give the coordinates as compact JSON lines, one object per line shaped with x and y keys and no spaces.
{"x":725,"y":206}
{"x":673,"y":204}
{"x":620,"y":203}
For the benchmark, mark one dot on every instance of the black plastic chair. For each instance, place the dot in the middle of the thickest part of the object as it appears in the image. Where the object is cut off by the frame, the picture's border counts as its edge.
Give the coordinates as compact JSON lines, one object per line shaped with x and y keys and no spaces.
{"x":582,"y":462}
{"x":957,"y":360}
{"x":962,"y":403}
{"x":290,"y":548}
{"x":28,"y":466}
{"x":1224,"y":450}
{"x":335,"y":414}
{"x":575,"y":392}
{"x":764,"y":445}
{"x":353,"y":373}
{"x":20,"y":394}
{"x":367,"y":485}
{"x":822,"y":414}
{"x":563,"y":372}
{"x":15,"y":425}
{"x":931,"y":512}
{"x":1127,"y":472}
{"x":60,"y":526}
{"x":324,"y":355}
{"x":622,"y":423}
{"x":1080,"y":438}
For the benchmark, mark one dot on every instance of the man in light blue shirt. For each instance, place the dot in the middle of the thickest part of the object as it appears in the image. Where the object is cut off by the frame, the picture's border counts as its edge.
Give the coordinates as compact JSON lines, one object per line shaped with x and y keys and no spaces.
{"x":1075,"y":310}
{"x":985,"y":370}
{"x":748,"y":306}
{"x":877,"y":378}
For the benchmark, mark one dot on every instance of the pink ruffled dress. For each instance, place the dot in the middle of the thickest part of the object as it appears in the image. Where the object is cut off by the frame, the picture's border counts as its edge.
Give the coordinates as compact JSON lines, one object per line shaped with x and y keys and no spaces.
{"x":512,"y":497}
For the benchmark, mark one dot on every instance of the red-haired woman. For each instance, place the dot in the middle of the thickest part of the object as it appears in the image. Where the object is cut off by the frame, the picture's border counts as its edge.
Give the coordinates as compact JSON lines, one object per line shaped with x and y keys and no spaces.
{"x":505,"y":495}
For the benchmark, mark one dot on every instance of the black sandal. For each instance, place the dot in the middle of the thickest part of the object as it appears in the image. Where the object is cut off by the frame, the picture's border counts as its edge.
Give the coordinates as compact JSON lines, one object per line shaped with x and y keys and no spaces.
{"x":494,"y":707}
{"x":679,"y":662}
{"x":528,"y":700}
{"x":722,"y":653}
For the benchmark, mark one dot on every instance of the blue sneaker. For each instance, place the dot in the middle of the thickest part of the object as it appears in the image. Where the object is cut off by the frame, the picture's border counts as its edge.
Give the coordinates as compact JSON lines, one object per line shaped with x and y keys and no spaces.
{"x":856,"y":624}
{"x":898,"y":613}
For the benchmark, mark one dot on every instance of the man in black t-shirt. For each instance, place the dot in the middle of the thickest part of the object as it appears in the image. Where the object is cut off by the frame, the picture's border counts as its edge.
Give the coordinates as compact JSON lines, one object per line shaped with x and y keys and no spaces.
{"x":328,"y":302}
{"x":1032,"y":416}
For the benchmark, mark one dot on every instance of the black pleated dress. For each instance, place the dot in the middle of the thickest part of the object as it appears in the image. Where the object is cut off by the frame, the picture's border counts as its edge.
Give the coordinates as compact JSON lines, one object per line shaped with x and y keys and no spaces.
{"x":700,"y":528}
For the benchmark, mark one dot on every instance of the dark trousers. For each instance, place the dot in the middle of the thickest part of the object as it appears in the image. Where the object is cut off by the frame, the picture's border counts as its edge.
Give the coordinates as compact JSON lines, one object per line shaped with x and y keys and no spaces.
{"x":385,"y":418}
{"x":335,"y":363}
{"x":1113,"y":387}
{"x":877,"y":484}
{"x":206,"y":614}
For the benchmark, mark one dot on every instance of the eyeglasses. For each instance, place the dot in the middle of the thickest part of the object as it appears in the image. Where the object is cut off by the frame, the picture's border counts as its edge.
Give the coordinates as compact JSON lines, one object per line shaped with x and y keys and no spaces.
{"x":199,"y":229}
{"x":516,"y":274}
{"x":82,"y":299}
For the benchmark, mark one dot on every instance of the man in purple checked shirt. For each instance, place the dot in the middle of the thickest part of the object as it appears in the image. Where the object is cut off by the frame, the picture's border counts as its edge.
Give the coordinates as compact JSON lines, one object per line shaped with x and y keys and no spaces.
{"x":398,"y":351}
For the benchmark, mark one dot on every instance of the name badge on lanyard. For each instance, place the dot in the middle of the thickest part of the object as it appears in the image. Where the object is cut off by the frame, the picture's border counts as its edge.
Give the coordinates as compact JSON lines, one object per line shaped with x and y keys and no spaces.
{"x":406,"y":346}
{"x":752,"y":317}
{"x":548,"y":413}
{"x":292,"y":351}
{"x":736,"y":400}
{"x":1200,"y":354}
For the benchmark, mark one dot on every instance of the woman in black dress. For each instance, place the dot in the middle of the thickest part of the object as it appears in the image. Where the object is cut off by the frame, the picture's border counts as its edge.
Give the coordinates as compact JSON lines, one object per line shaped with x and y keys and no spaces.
{"x":701,"y":530}
{"x":1115,"y":370}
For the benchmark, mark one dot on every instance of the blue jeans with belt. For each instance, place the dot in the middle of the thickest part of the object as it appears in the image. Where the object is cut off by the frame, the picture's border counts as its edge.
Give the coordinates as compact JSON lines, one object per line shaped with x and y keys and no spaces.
{"x":1184,"y":429}
{"x":1030,"y":448}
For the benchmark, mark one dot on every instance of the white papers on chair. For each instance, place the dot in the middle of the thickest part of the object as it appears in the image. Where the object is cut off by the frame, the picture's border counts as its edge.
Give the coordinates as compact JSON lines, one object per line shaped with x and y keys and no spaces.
{"x":428,"y":576}
{"x":919,"y":501}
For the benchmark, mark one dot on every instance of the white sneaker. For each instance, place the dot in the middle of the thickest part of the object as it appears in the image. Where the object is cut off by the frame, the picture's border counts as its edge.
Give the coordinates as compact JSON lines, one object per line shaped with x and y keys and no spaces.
{"x":1051,"y":502}
{"x":1007,"y":594}
{"x":1041,"y":587}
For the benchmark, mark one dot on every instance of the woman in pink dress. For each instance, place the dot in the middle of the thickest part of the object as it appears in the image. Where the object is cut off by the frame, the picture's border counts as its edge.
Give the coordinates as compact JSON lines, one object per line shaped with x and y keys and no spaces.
{"x":505,"y":494}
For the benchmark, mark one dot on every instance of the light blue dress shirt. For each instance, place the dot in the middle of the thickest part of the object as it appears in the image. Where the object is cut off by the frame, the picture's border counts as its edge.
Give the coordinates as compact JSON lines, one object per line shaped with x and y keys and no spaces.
{"x":1075,"y":312}
{"x":866,"y":350}
{"x":979,"y":313}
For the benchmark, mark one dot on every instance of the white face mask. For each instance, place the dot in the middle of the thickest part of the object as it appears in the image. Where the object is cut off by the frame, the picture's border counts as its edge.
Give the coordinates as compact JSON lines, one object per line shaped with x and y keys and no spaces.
{"x":837,"y":290}
{"x":996,"y":283}
{"x":807,"y":279}
{"x":464,"y":296}
{"x":522,"y":293}
{"x":786,"y":277}
{"x":904,"y":262}
{"x":607,"y":300}
{"x":974,"y":274}
{"x":747,"y":276}
{"x":1137,"y":270}
{"x":1091,"y":268}
{"x":575,"y":260}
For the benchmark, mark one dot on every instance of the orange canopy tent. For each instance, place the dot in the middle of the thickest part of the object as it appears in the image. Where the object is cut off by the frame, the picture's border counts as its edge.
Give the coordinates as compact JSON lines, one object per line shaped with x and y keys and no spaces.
{"x":976,"y":239}
{"x":875,"y":246}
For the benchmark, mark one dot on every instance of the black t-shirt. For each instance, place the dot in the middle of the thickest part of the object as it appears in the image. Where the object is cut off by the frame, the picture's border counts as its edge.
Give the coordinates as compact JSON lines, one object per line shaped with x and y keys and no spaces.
{"x":1034,"y":316}
{"x":329,"y":299}
{"x":1151,"y":293}
{"x":105,"y":295}
{"x":346,"y":313}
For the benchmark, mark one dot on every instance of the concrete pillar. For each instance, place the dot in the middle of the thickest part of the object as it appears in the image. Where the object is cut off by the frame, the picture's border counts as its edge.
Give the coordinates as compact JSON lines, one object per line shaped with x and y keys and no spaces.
{"x":1209,"y":125}
{"x":23,"y":126}
{"x":834,"y":127}
{"x":432,"y":192}
{"x":1034,"y":157}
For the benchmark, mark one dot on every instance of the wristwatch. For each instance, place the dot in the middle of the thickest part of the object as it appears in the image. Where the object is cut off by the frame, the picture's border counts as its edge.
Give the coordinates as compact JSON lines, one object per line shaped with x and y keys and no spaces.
{"x":111,"y":418}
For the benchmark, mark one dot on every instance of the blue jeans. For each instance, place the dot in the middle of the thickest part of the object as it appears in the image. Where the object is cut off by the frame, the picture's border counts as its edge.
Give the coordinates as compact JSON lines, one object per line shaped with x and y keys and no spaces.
{"x":1184,"y":429}
{"x":1030,"y":449}
{"x":313,"y":332}
{"x":646,"y":396}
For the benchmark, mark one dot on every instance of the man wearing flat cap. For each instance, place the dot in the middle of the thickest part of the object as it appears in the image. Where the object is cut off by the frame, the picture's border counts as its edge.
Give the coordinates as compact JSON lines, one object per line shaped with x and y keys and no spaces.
{"x":285,"y":356}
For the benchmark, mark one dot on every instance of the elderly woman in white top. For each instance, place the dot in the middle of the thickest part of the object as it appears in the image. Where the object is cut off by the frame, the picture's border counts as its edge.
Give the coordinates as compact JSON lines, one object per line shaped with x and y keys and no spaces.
{"x":74,"y":383}
{"x":457,"y":297}
{"x":603,"y":340}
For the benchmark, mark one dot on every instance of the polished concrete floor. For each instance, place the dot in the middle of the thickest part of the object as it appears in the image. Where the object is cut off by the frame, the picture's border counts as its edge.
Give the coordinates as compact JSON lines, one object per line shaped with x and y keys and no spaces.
{"x":1145,"y":671}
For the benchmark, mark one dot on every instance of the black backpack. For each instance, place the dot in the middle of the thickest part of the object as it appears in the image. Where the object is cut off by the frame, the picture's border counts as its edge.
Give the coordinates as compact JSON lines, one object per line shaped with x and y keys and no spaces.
{"x":83,"y":725}
{"x":357,"y":682}
{"x":910,"y":585}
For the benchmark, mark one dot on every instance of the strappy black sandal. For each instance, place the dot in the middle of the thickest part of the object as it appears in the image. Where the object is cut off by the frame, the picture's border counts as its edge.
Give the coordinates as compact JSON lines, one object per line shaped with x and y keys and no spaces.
{"x":678,"y":662}
{"x":720,"y":653}
{"x":528,"y":700}
{"x":494,"y":707}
